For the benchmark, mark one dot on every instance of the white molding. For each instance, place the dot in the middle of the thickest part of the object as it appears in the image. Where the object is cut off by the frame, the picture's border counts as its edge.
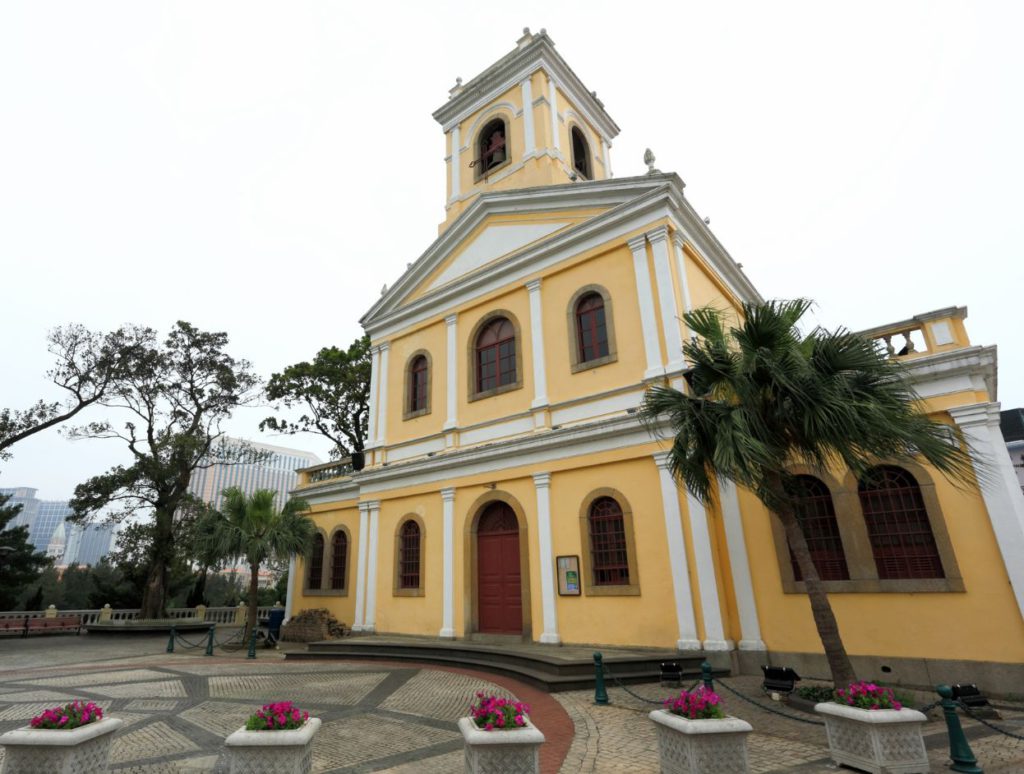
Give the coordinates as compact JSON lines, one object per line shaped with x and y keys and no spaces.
{"x":456,"y":170}
{"x":290,"y":594}
{"x":496,"y":431}
{"x":591,"y":409}
{"x":371,"y":431}
{"x":606,"y":149}
{"x":739,"y":562}
{"x":677,"y":563}
{"x":540,"y":379}
{"x":357,"y":625}
{"x":666,"y":298}
{"x":556,"y":143}
{"x":542,"y":484}
{"x":492,"y":112}
{"x":448,"y":587}
{"x":451,"y":365}
{"x":529,"y":137}
{"x":1000,"y":488}
{"x":645,"y":301}
{"x":684,"y":282}
{"x":707,"y":582}
{"x":380,"y":439}
{"x":419,"y":448}
{"x":370,"y":621}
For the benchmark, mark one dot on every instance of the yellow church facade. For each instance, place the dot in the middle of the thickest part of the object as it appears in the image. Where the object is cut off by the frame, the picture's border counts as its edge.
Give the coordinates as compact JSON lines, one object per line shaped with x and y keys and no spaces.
{"x":510,"y":491}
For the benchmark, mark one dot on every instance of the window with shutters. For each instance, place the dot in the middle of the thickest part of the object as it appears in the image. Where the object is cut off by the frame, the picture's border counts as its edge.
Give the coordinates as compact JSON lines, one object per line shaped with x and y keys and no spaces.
{"x":417,"y":385}
{"x":495,"y":356}
{"x":609,"y":555}
{"x":591,"y":328}
{"x":339,"y":561}
{"x":817,"y":515}
{"x":315,"y":574}
{"x":900,"y":532}
{"x":409,"y":557}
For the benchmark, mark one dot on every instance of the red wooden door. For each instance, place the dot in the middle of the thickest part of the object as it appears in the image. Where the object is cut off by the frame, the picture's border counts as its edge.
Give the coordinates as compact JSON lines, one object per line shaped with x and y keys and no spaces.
{"x":499,"y":590}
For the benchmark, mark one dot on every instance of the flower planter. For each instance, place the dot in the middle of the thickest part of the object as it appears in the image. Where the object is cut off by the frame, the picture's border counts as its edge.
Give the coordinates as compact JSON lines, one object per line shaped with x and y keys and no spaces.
{"x":272,"y":752}
{"x":515,"y":751}
{"x":885,"y":741}
{"x":82,"y":750}
{"x":710,"y":746}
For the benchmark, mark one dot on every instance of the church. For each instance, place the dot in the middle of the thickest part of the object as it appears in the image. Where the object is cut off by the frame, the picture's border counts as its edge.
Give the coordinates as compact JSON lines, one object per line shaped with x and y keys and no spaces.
{"x":509,"y":490}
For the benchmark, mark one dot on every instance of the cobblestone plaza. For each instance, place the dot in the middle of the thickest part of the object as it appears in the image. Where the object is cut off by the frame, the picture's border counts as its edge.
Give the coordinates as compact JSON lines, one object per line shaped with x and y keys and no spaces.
{"x":381,"y":716}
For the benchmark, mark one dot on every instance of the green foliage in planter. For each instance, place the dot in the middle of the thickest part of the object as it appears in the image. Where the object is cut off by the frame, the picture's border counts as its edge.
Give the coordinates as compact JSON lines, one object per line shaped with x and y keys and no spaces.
{"x":816,"y":693}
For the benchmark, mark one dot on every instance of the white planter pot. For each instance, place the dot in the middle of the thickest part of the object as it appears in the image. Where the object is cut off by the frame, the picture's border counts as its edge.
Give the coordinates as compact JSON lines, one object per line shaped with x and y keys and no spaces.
{"x":880,"y":741}
{"x":515,"y":751}
{"x":82,"y":750}
{"x":272,"y":752}
{"x":712,"y":746}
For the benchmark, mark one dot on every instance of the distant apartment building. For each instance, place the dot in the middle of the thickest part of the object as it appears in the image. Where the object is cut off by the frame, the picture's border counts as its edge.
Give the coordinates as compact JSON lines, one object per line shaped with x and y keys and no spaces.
{"x":48,"y":531}
{"x":276,"y":472}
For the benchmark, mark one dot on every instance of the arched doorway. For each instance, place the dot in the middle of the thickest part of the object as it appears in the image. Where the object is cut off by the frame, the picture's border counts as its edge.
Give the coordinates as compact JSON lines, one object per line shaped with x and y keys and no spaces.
{"x":499,"y":582}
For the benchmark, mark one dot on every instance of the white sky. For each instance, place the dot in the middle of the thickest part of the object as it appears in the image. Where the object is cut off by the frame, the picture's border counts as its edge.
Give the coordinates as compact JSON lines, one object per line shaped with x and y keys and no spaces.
{"x":264,"y":168}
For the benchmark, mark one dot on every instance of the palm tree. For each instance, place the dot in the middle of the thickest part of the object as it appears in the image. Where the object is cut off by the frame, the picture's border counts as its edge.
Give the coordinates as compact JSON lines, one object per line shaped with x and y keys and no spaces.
{"x":762,"y":397}
{"x":253,"y":529}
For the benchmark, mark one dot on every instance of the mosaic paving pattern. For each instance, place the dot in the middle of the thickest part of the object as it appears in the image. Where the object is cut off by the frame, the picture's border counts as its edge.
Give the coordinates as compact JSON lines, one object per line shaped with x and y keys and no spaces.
{"x":430,"y":695}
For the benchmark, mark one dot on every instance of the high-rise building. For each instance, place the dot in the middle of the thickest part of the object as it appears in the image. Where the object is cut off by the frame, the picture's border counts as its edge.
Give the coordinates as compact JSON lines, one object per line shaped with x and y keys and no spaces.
{"x":48,"y":531}
{"x":88,"y":544}
{"x":277,"y":472}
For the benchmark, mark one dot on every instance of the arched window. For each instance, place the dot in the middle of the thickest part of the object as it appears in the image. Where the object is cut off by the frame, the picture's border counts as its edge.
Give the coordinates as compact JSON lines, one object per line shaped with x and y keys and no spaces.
{"x":591,"y":330}
{"x":418,"y":389}
{"x":339,"y":560}
{"x":609,"y":557}
{"x":409,"y":556}
{"x":817,"y":515}
{"x":898,"y":527}
{"x":491,"y":146}
{"x":580,"y":153}
{"x":496,"y":355}
{"x":316,"y":563}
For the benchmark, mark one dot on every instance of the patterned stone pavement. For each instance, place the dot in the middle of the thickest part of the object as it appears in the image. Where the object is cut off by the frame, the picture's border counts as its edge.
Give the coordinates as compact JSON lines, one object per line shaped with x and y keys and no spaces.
{"x":390,"y":717}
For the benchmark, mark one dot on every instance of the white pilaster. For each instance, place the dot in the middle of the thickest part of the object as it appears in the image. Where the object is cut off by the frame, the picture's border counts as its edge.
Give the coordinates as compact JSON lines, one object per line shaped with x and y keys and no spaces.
{"x":645,"y":299}
{"x":450,"y":387}
{"x":290,"y":594}
{"x":371,"y":431}
{"x":684,"y":284}
{"x":667,"y":298}
{"x":448,"y":587}
{"x":999,"y":486}
{"x":542,"y":483}
{"x":357,"y":625}
{"x":456,"y":164}
{"x":529,"y":139}
{"x":606,"y":149}
{"x":742,"y":582}
{"x":540,"y":379}
{"x":714,"y":632}
{"x":553,"y":99}
{"x":677,"y":557}
{"x":382,"y":396}
{"x":370,"y":623}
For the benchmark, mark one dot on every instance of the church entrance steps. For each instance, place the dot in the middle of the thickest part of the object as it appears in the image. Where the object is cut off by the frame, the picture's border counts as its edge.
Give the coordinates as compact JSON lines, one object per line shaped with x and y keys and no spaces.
{"x":549,"y":667}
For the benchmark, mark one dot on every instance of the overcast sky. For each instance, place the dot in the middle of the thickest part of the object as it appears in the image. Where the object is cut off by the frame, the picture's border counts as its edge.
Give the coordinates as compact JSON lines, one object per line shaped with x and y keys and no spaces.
{"x":264,"y":168}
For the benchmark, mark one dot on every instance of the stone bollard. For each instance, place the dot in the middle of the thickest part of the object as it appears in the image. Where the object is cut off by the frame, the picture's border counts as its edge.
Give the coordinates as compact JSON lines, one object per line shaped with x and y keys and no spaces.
{"x":200,"y":612}
{"x":106,"y":613}
{"x":209,"y":641}
{"x":51,"y":611}
{"x":705,"y":676}
{"x":240,"y":614}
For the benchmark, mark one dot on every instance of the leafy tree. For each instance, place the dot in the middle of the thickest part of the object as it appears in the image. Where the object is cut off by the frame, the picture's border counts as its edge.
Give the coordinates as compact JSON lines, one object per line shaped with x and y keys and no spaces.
{"x":20,"y":563}
{"x":77,"y":587}
{"x":223,"y":591}
{"x":176,"y":393}
{"x":253,"y":529}
{"x":334,"y":395}
{"x":763,"y":397}
{"x":111,"y":587}
{"x":87,"y":365}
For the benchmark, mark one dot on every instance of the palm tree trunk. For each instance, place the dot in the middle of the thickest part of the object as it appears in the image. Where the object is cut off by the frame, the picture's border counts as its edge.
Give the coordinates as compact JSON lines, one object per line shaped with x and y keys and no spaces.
{"x":254,"y":594}
{"x":824,"y":618}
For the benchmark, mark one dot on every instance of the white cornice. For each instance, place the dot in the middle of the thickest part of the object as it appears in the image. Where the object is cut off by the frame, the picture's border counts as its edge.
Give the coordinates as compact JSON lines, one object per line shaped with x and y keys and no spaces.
{"x":510,"y":70}
{"x":972,"y":361}
{"x":631,"y":198}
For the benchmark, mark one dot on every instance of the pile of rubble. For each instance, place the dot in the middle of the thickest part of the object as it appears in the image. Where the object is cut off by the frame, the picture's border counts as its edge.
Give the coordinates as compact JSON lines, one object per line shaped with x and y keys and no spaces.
{"x":312,"y":626}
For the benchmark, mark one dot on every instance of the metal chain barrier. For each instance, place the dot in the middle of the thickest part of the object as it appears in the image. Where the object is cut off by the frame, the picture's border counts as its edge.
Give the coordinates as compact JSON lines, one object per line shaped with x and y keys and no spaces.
{"x":179,"y":638}
{"x":929,"y":707}
{"x":623,"y":686}
{"x":984,"y":722}
{"x":236,"y":636}
{"x":766,"y":708}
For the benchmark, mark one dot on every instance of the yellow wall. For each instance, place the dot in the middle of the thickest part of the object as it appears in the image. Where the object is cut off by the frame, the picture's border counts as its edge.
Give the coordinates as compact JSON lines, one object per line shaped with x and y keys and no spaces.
{"x":326,"y":518}
{"x":432,"y":339}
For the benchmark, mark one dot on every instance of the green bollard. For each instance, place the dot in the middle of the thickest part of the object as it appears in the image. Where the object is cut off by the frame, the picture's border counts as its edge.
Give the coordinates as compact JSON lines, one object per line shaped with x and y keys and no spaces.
{"x":170,"y":641}
{"x":209,"y":641}
{"x":705,"y":675}
{"x":600,"y":693}
{"x":959,"y":750}
{"x":252,"y":644}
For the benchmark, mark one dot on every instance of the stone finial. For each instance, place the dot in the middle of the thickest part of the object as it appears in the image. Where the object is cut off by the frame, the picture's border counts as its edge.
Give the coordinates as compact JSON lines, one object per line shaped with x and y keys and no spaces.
{"x":456,"y":88}
{"x":384,"y":289}
{"x":525,"y":40}
{"x":649,"y":161}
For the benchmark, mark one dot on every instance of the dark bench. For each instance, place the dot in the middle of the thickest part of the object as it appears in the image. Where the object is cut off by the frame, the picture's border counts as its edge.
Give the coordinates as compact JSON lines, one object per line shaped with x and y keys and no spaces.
{"x":779,"y":679}
{"x":56,"y":625}
{"x":15,"y":626}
